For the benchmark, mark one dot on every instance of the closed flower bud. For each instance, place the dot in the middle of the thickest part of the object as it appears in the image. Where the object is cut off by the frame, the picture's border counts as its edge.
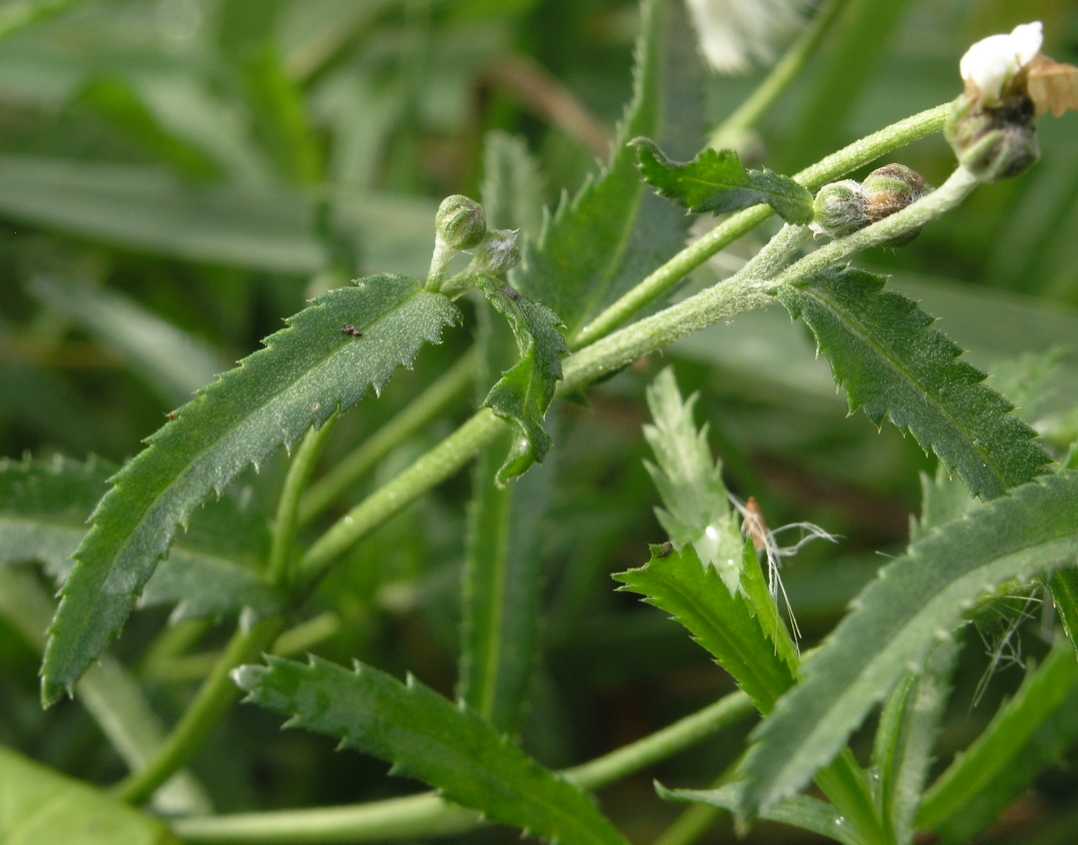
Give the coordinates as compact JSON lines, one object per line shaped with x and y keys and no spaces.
{"x":993,"y":142}
{"x":839,"y":208}
{"x":891,"y":188}
{"x":460,"y":222}
{"x":498,"y":254}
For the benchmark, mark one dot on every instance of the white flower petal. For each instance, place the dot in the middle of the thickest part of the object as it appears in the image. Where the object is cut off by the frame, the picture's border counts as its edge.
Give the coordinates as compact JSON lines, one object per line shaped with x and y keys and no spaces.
{"x":994,"y":61}
{"x":1027,"y":39}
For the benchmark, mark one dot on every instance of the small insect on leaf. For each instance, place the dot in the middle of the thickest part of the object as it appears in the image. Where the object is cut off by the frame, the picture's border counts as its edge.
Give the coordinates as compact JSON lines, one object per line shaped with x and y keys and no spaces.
{"x":351,"y":330}
{"x":1053,"y":86}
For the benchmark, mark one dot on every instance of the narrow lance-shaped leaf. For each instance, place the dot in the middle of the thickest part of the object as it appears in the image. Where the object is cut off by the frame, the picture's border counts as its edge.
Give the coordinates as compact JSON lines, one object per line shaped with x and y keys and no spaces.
{"x":306,"y":373}
{"x":524,"y":392}
{"x":426,"y":737}
{"x":717,"y":181}
{"x":614,"y":231}
{"x":1029,"y":733}
{"x":210,"y":570}
{"x":906,"y":735}
{"x":38,"y":805}
{"x":891,"y":362}
{"x":502,"y":577}
{"x":799,"y":811}
{"x":916,"y":601}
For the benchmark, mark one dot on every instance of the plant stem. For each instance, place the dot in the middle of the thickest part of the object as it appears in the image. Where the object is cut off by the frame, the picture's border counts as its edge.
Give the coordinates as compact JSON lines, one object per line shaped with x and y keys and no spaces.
{"x":287,"y":521}
{"x":778,"y":80}
{"x":832,"y":167}
{"x":214,"y":699}
{"x":428,"y":815}
{"x":713,"y":305}
{"x":419,"y":413}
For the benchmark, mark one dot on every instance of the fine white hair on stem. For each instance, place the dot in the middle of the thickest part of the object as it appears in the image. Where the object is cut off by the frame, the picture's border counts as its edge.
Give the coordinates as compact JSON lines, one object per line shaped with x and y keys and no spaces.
{"x":736,"y":34}
{"x":766,"y":540}
{"x":1005,"y":648}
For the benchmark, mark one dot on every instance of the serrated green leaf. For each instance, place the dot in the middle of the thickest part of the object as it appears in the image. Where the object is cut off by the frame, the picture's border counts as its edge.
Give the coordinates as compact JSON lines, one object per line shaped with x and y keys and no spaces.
{"x":800,"y":811}
{"x":426,"y":737}
{"x":1029,"y":733}
{"x":723,"y":623}
{"x":524,"y":392}
{"x":614,"y":231}
{"x":943,"y":498}
{"x":915,"y":601}
{"x":38,"y":805}
{"x":170,"y":361}
{"x":906,"y":735}
{"x":891,"y":362}
{"x":717,"y":181}
{"x":210,"y":570}
{"x":503,"y":576}
{"x":306,"y":372}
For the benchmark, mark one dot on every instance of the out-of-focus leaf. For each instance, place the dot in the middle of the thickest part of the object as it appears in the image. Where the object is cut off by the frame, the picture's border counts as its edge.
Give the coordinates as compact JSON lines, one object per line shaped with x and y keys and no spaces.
{"x":426,"y":737}
{"x":210,"y":571}
{"x":892,"y":363}
{"x":38,"y":805}
{"x":172,"y":362}
{"x":614,"y":231}
{"x":717,"y":181}
{"x":306,"y":373}
{"x":1029,"y":733}
{"x":916,"y":601}
{"x":16,"y":14}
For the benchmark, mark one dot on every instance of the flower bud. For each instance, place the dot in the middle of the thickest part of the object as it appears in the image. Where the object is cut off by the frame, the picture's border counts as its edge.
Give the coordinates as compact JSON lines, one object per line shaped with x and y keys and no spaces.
{"x":891,"y":188}
{"x":498,"y":253}
{"x":839,"y":208}
{"x":460,"y":222}
{"x":993,"y":143}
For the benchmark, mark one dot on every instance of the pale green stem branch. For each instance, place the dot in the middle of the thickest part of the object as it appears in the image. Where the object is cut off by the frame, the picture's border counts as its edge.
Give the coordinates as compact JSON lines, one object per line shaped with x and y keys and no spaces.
{"x":781,"y":76}
{"x":832,"y":167}
{"x":419,"y":413}
{"x":428,"y":815}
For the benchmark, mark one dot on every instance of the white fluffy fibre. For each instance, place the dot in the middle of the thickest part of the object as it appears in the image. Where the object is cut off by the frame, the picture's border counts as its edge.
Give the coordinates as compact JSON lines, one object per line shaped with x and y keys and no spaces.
{"x":994,"y":61}
{"x":736,"y":34}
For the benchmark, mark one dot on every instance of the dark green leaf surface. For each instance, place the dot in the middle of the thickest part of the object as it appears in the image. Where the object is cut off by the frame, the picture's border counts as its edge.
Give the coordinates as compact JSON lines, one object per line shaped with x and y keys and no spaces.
{"x":892,"y":363}
{"x":614,"y":231}
{"x":916,"y":601}
{"x":524,"y":392}
{"x":717,"y":181}
{"x":210,"y":570}
{"x":305,"y":373}
{"x":800,"y":811}
{"x":426,"y":737}
{"x":722,"y":622}
{"x":906,"y":736}
{"x":1029,"y":733}
{"x":503,"y":578}
{"x":39,"y":806}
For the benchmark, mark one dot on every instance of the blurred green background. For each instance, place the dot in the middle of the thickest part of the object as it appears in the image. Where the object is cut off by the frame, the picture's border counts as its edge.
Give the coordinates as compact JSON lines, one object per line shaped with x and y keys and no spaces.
{"x":208,"y":165}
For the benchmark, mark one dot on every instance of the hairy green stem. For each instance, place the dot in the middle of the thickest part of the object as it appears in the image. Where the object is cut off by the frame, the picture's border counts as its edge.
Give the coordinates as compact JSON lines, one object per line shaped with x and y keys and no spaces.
{"x":781,"y":76}
{"x":832,"y":167}
{"x":713,"y":305}
{"x":428,"y":815}
{"x":419,"y":413}
{"x":287,"y":521}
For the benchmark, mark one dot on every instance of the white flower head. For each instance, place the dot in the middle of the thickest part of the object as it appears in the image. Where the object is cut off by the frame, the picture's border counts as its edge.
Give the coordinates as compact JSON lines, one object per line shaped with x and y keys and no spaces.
{"x":991,"y":63}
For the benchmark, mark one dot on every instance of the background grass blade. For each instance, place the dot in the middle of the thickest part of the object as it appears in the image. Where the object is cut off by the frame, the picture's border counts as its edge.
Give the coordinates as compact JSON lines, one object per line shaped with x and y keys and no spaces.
{"x":426,"y":737}
{"x":305,"y":373}
{"x":915,"y":601}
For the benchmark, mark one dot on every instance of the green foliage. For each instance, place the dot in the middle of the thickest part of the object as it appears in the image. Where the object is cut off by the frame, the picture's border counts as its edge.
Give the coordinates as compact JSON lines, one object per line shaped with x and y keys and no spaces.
{"x":503,"y":577}
{"x":38,"y":805}
{"x":717,"y":181}
{"x":597,"y":245}
{"x":916,"y":601}
{"x":800,"y":811}
{"x":210,"y":570}
{"x":1029,"y":733}
{"x":307,"y":372}
{"x":891,"y":363}
{"x":424,"y":736}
